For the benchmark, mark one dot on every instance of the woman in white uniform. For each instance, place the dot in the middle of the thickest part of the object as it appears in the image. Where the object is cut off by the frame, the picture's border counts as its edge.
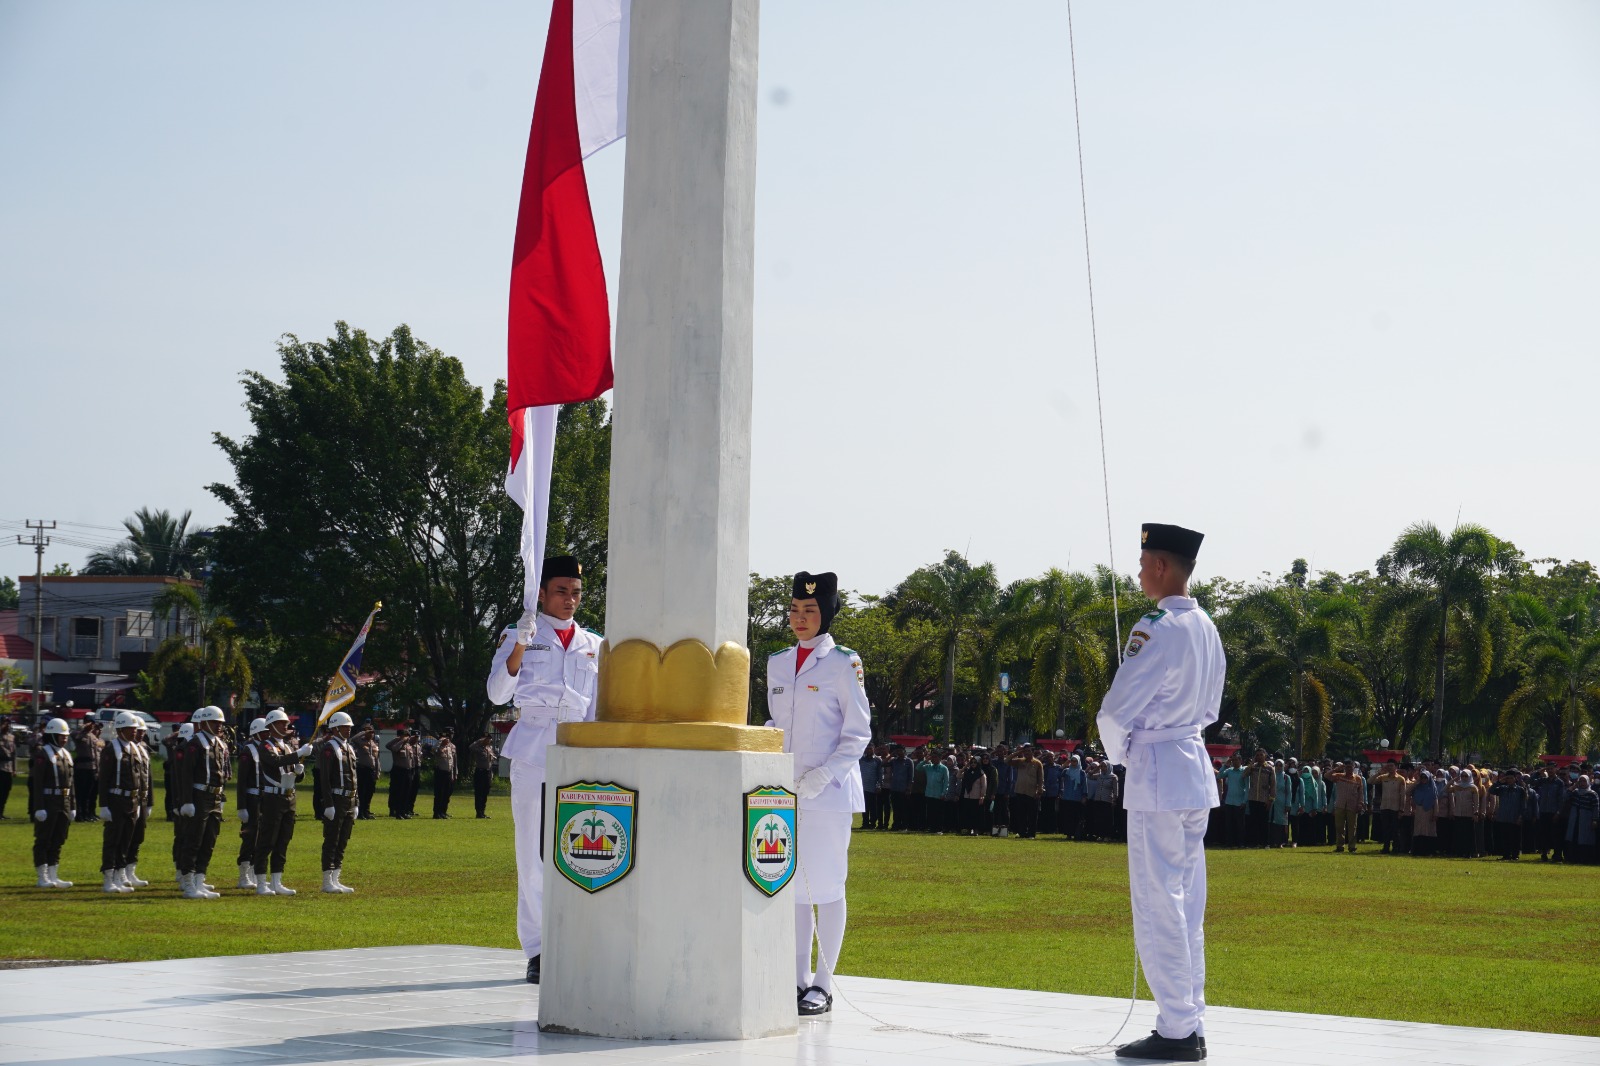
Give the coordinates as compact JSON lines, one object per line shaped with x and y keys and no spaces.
{"x":816,"y":694}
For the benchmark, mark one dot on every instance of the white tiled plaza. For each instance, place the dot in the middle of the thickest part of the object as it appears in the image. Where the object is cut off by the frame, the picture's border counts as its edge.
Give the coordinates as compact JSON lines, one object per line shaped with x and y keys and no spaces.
{"x":392,"y":1006}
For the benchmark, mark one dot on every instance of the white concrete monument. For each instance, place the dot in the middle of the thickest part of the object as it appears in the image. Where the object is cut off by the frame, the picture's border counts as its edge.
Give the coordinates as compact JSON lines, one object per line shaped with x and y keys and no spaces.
{"x":651,"y":927}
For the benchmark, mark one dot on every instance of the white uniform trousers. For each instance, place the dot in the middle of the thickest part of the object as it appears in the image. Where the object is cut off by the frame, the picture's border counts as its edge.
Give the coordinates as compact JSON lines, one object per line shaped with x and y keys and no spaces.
{"x":527,"y":815}
{"x":823,"y":854}
{"x":1167,"y":878}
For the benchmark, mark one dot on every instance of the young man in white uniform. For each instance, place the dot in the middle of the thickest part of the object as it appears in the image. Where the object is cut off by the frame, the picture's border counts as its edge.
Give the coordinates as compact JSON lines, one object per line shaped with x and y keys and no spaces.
{"x":1167,"y":690}
{"x":547,"y":665}
{"x":817,"y":695}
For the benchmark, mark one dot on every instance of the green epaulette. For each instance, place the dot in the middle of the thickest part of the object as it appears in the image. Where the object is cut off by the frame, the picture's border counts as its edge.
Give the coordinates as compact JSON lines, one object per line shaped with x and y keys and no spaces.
{"x":847,"y":651}
{"x":1155,"y":614}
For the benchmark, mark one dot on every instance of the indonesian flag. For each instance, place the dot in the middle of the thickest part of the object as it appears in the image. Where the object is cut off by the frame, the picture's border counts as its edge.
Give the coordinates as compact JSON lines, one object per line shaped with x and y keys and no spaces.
{"x":559,"y":338}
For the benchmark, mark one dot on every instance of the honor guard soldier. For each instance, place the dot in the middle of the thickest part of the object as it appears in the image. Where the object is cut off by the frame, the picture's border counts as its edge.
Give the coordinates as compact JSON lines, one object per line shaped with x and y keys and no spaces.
{"x":124,"y":783}
{"x":1167,"y":690}
{"x":201,"y":777}
{"x":337,"y":796}
{"x":130,"y":871}
{"x":86,"y":764}
{"x":247,"y":798}
{"x":52,"y":800}
{"x":175,"y":743}
{"x":281,"y":757}
{"x":816,"y":693}
{"x":548,"y":666}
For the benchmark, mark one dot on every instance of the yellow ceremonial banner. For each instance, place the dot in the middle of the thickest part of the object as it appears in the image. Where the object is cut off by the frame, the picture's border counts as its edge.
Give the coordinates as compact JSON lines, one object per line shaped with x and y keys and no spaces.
{"x":342,"y":689}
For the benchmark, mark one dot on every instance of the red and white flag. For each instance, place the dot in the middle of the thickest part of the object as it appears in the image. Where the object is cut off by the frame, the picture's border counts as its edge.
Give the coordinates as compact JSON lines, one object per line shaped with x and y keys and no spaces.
{"x":559,"y":338}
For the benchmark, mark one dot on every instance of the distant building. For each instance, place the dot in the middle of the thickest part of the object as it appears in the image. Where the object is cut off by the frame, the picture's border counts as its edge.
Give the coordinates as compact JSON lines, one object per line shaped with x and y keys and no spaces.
{"x":97,"y":632}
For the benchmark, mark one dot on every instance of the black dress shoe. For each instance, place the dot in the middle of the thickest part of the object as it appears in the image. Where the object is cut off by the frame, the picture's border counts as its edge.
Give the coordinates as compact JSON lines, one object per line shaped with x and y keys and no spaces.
{"x":809,"y":1010}
{"x":533,"y":970}
{"x":1191,"y":1048}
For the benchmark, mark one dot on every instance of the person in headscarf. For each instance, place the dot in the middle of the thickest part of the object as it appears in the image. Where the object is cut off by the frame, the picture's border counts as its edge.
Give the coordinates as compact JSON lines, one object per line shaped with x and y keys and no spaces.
{"x":1073,"y":783}
{"x":1582,"y":807}
{"x":1424,"y":798}
{"x":1464,"y":811}
{"x":1282,"y":804}
{"x":1310,"y":805}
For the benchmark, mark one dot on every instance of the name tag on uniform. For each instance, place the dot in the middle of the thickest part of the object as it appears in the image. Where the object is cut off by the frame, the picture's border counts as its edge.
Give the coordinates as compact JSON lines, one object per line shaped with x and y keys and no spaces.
{"x":778,"y":691}
{"x":538,"y":647}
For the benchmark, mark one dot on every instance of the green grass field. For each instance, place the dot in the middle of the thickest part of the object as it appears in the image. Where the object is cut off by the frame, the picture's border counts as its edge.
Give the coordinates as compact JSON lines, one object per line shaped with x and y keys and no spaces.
{"x":1461,"y":942}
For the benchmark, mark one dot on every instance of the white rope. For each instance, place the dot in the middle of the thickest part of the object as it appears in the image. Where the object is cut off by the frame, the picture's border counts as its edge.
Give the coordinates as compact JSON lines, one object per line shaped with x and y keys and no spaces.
{"x":1082,"y":1050}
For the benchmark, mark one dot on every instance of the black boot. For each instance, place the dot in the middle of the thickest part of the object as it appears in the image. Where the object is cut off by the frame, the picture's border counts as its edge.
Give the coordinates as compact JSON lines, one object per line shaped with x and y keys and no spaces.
{"x":533,"y":970}
{"x":1191,"y":1048}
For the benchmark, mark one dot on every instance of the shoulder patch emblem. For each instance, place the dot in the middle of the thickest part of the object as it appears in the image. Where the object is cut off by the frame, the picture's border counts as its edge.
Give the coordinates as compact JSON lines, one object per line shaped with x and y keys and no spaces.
{"x":501,"y":641}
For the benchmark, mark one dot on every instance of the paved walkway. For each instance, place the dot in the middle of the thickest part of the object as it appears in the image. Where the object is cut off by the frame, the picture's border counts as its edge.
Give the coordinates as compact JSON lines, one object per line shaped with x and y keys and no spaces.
{"x":396,"y":1006}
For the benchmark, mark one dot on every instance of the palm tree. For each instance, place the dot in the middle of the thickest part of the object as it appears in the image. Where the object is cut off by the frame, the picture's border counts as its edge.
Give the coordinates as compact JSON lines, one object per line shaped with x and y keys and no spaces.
{"x":1443,"y":595}
{"x":1561,"y":670}
{"x":220,"y":656}
{"x":956,"y":598}
{"x":156,"y":544}
{"x":1059,"y":621}
{"x":1290,"y":639}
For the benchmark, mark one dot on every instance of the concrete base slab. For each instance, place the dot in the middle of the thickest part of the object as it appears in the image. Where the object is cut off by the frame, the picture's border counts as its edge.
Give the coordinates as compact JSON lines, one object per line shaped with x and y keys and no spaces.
{"x":402,"y":1005}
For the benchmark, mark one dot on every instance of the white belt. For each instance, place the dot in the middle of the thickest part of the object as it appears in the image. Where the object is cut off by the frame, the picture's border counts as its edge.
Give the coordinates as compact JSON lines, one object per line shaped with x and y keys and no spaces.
{"x":121,"y":792}
{"x":1170,"y":733}
{"x":538,"y":713}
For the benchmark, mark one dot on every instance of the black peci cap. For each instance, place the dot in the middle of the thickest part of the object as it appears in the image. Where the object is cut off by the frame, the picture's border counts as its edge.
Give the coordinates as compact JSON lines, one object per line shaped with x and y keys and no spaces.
{"x":1157,"y":537}
{"x":560,"y":566}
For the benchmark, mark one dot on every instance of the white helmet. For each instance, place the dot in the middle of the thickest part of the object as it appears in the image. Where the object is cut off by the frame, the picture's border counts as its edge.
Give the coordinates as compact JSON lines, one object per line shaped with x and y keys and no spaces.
{"x":186,"y":730}
{"x":208,"y":714}
{"x":140,"y":724}
{"x":277,"y":714}
{"x":126,"y":720}
{"x":57,"y":727}
{"x":339,"y":718}
{"x":258,"y":726}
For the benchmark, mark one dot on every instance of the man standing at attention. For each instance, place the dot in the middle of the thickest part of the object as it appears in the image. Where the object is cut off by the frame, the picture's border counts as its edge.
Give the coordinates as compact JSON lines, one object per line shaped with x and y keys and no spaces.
{"x":548,"y":665}
{"x":1167,"y":690}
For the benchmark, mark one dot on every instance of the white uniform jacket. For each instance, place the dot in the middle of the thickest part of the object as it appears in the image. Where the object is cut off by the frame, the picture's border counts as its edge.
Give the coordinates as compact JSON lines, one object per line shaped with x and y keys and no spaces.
{"x":554,"y":684}
{"x":1167,"y":690}
{"x":825,"y":719}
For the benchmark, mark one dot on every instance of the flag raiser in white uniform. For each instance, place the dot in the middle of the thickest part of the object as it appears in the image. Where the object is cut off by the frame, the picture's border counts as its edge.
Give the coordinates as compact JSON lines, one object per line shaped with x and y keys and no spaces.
{"x":554,"y":684}
{"x":1167,"y":690}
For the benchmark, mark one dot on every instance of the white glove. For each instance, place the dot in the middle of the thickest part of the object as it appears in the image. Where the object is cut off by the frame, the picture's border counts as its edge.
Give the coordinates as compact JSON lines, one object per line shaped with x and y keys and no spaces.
{"x":356,"y":813}
{"x":525,"y":627}
{"x":813,"y":781}
{"x":72,"y":816}
{"x":187,"y":810}
{"x":40,"y":816}
{"x":305,"y":749}
{"x":244,"y":815}
{"x":327,"y":814}
{"x":105,"y":814}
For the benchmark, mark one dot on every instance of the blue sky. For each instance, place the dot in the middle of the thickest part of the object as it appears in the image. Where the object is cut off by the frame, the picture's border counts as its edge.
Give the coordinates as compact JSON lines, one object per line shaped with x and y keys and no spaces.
{"x":1346,"y":260}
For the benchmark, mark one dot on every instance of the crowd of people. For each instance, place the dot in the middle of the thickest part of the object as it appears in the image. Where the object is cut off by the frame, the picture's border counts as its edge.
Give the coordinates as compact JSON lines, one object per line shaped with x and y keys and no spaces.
{"x":1422,"y":808}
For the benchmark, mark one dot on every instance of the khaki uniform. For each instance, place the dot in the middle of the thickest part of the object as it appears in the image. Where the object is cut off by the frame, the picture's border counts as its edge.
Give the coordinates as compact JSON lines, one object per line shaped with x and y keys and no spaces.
{"x":146,"y":804}
{"x":247,"y":794}
{"x":367,"y":755}
{"x":484,"y":758}
{"x":280,"y":770}
{"x":444,"y":778}
{"x":200,"y":777}
{"x":405,"y":775}
{"x":8,"y":768}
{"x":336,"y":788}
{"x":124,"y":791}
{"x":50,"y":789}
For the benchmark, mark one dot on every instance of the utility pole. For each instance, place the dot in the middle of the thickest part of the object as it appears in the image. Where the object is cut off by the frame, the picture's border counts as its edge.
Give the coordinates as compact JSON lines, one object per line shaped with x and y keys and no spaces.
{"x":40,"y":542}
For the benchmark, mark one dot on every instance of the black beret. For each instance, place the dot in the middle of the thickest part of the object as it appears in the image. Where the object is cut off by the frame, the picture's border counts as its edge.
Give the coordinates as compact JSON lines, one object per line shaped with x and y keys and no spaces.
{"x":1157,"y":537}
{"x":560,"y":566}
